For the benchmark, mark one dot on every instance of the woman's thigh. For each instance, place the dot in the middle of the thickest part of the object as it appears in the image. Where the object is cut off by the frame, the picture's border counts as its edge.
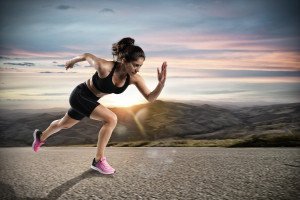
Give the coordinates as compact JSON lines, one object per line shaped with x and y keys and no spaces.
{"x":101,"y":113}
{"x":67,"y":121}
{"x":82,"y":102}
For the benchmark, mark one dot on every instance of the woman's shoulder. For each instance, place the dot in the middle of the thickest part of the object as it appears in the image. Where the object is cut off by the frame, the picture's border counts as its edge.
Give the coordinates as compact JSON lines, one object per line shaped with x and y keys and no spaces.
{"x":105,"y":67}
{"x":135,"y":79}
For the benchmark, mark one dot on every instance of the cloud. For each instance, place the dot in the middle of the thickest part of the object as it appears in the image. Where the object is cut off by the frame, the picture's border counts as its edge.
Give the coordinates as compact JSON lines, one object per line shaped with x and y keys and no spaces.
{"x":75,"y":65}
{"x":254,"y":73}
{"x":21,"y":64}
{"x":203,"y":73}
{"x":188,"y":77}
{"x":2,"y":57}
{"x":15,"y":54}
{"x":46,"y":94}
{"x":215,"y":26}
{"x":47,"y":72}
{"x":223,"y":91}
{"x":107,"y":10}
{"x":64,"y":7}
{"x":11,"y":69}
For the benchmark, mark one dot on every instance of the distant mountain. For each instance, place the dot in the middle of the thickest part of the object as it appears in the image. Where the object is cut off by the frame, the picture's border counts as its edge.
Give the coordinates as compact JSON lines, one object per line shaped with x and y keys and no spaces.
{"x":159,"y":120}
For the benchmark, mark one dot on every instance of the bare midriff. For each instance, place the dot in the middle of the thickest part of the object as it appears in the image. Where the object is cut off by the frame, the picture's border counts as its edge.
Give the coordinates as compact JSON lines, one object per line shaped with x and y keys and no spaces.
{"x":93,"y":89}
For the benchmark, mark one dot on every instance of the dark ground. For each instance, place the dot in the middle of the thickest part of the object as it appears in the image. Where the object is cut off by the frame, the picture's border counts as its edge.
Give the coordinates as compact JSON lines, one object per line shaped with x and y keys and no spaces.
{"x":151,"y":173}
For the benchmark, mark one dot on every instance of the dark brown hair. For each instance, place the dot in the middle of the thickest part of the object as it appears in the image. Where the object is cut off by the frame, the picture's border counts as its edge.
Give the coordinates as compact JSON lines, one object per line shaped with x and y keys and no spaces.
{"x":125,"y":48}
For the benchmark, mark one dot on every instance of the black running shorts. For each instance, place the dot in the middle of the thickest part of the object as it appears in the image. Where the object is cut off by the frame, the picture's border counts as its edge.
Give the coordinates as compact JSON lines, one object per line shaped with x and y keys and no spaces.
{"x":82,"y":102}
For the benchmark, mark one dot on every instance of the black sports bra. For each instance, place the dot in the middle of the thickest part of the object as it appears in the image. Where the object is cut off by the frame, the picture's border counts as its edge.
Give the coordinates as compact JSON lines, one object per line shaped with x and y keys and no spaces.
{"x":106,"y":85}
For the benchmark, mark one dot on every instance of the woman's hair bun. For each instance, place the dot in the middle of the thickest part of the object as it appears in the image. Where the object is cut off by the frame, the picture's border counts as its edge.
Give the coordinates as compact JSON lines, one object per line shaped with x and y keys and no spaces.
{"x":121,"y":50}
{"x":119,"y":47}
{"x":125,"y":42}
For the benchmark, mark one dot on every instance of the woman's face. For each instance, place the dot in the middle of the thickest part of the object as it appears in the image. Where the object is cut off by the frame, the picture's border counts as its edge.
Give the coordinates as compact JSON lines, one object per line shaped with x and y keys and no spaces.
{"x":133,"y":67}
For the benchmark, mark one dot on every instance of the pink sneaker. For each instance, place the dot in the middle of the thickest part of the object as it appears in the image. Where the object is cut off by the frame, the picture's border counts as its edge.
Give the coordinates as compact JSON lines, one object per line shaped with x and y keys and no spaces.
{"x":37,"y":142}
{"x":102,"y":166}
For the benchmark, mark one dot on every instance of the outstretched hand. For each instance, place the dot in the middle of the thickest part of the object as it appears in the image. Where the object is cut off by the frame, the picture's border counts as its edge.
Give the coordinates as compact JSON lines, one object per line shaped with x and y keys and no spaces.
{"x":69,"y":64}
{"x":162,"y":75}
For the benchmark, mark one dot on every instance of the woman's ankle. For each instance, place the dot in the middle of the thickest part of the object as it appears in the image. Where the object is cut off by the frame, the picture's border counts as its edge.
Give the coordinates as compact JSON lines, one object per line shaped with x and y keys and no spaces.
{"x":41,"y":137}
{"x":97,"y":159}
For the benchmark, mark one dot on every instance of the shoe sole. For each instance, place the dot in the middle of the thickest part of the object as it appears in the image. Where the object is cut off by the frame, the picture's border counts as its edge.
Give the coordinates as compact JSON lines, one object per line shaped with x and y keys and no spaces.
{"x":34,"y":136}
{"x":99,"y":170}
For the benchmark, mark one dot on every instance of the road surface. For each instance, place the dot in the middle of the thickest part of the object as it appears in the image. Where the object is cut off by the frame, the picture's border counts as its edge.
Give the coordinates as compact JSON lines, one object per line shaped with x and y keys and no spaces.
{"x":151,"y":173}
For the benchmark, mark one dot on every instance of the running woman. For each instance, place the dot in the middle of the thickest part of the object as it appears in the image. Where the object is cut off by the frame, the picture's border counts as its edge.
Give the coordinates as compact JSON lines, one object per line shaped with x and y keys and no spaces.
{"x":110,"y":77}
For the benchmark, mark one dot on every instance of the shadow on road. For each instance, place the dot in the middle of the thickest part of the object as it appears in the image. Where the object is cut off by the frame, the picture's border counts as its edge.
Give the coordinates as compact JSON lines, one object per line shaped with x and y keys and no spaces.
{"x":7,"y":192}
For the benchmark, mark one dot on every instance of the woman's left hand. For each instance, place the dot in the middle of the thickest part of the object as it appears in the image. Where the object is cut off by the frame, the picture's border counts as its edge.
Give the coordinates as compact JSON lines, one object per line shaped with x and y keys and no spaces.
{"x":162,"y":75}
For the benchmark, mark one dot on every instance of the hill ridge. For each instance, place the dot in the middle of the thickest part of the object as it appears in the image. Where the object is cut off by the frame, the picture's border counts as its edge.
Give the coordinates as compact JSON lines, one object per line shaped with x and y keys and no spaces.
{"x":159,"y":120}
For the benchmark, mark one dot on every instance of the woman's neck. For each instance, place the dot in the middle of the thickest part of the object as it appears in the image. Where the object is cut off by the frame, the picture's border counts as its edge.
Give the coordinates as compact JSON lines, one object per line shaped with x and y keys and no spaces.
{"x":120,"y":70}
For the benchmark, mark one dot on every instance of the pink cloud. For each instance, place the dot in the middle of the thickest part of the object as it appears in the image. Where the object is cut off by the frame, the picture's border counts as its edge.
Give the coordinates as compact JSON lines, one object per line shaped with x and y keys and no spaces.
{"x":266,"y":61}
{"x":13,"y":53}
{"x":217,"y":42}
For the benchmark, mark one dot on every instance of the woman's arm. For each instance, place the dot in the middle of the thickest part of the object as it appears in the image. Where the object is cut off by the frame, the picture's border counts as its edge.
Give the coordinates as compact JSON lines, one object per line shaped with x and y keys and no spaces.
{"x":152,"y":96}
{"x":93,"y":60}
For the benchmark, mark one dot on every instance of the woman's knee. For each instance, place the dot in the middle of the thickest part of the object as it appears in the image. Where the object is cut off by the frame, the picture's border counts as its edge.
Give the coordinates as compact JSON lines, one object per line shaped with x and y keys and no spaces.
{"x":105,"y":115}
{"x":111,"y":119}
{"x":66,"y":123}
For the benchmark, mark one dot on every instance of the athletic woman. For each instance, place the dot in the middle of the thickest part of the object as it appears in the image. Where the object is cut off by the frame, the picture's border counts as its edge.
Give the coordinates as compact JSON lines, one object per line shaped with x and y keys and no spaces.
{"x":110,"y":77}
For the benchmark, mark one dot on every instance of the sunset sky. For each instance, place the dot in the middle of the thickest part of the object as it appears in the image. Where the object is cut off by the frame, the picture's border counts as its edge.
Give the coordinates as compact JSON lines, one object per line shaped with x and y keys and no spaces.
{"x":234,"y":51}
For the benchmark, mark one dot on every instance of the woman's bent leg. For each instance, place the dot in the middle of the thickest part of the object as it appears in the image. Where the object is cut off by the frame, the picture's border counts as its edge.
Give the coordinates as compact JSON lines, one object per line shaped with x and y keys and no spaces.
{"x":109,"y":120}
{"x":63,"y":123}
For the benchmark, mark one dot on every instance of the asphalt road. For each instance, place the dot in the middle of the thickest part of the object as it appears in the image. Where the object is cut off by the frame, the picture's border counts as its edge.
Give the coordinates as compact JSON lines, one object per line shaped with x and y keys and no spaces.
{"x":151,"y":173}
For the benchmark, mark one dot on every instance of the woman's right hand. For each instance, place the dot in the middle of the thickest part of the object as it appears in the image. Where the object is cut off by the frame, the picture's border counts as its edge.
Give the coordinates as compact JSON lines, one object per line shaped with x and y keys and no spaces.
{"x":69,"y":64}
